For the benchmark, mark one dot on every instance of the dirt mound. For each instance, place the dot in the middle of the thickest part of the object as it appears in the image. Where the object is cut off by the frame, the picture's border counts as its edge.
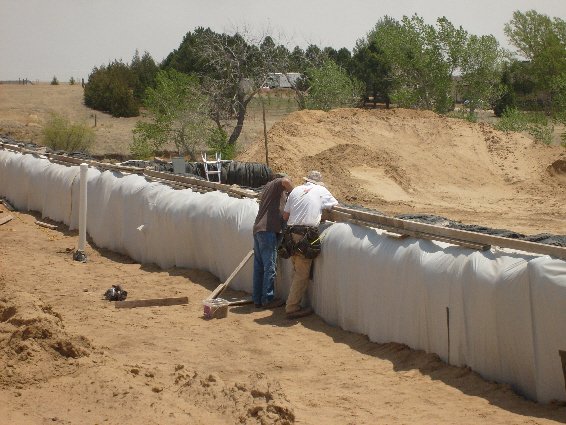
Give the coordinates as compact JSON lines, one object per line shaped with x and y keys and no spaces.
{"x":33,"y":343}
{"x":407,"y":161}
{"x":257,"y":401}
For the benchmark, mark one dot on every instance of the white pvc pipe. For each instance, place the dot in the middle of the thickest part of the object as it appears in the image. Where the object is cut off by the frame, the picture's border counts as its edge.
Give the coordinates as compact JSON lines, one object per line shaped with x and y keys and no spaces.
{"x":82,"y":208}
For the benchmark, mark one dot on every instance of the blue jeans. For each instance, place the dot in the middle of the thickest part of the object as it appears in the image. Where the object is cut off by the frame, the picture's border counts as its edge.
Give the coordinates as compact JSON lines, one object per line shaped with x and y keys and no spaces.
{"x":265,"y":257}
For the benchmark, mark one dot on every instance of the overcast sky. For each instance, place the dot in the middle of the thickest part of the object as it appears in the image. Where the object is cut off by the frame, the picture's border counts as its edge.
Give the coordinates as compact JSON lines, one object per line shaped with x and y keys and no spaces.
{"x":40,"y":39}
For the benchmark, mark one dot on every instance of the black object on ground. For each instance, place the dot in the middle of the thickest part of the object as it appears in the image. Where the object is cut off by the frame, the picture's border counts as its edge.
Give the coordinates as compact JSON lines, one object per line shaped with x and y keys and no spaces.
{"x":116,"y":293}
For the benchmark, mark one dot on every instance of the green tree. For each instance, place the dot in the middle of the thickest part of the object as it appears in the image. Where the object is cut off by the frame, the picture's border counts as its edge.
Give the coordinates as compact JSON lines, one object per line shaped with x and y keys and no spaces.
{"x":144,"y":69}
{"x":542,"y":41}
{"x":507,"y":98}
{"x":179,"y":114}
{"x":418,"y":63}
{"x":331,"y":87}
{"x":188,"y":58}
{"x":297,"y":61}
{"x":481,"y":67}
{"x":370,"y":65}
{"x":54,"y":81}
{"x":110,"y":89}
{"x":420,"y":66}
{"x":342,"y":57}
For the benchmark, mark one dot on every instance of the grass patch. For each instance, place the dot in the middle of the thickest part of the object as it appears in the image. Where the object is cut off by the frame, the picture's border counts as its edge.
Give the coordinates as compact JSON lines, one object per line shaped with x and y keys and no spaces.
{"x":537,"y":124}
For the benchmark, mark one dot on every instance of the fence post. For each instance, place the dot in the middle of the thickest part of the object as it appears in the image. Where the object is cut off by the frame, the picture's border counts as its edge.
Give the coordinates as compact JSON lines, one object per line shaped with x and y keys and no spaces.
{"x":80,"y":252}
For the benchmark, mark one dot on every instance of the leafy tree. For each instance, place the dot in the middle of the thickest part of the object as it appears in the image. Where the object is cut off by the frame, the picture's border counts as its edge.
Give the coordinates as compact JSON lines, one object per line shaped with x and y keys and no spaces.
{"x":54,"y":81}
{"x":342,"y":57}
{"x":416,"y":63}
{"x":542,"y":41}
{"x":72,"y":81}
{"x":507,"y":98}
{"x":481,"y":68}
{"x":179,"y":114}
{"x":331,"y":87}
{"x":421,"y":71}
{"x":370,"y":65}
{"x":313,"y":55}
{"x":188,"y":58}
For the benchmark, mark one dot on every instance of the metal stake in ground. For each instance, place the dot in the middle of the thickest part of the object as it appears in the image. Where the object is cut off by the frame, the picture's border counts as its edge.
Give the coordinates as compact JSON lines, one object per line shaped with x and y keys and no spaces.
{"x":79,"y":254}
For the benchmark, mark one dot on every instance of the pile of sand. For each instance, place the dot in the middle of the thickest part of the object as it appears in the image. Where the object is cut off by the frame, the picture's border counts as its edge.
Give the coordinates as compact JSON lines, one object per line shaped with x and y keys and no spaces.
{"x":406,"y":161}
{"x":256,"y":400}
{"x":34,"y":345}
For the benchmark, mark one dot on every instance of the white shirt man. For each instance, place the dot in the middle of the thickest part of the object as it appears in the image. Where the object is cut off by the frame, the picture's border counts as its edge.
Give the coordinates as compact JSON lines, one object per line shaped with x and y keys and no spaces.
{"x":304,"y":208}
{"x":305,"y":204}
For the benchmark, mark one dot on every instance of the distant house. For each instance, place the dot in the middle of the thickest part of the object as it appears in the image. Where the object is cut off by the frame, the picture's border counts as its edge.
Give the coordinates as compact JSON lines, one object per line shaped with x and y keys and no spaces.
{"x":278,"y":80}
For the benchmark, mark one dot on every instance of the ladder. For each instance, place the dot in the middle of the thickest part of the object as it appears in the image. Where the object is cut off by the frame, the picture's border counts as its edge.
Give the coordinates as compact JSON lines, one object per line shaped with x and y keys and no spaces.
{"x":214,"y":163}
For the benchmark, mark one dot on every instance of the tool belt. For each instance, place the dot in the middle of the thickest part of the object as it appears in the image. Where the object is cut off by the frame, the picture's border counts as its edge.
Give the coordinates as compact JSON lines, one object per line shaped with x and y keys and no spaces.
{"x":308,"y":246}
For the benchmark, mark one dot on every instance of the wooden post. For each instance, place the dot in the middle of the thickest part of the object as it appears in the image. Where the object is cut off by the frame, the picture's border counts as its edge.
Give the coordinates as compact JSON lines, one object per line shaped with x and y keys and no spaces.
{"x":220,"y":288}
{"x":562,"y":355}
{"x":265,"y":134}
{"x":154,"y":302}
{"x":448,"y":330}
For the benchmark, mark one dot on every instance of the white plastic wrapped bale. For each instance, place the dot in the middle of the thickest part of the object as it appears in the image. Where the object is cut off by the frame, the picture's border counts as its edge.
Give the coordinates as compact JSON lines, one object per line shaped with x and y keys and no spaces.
{"x":35,"y":169}
{"x":36,"y":184}
{"x":548,"y":301}
{"x":153,"y":223}
{"x":15,"y":180}
{"x":400,"y":290}
{"x":57,"y":187}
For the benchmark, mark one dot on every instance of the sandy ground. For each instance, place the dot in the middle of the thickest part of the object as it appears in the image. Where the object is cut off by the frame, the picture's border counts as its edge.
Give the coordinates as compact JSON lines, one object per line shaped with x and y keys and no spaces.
{"x":67,"y":356}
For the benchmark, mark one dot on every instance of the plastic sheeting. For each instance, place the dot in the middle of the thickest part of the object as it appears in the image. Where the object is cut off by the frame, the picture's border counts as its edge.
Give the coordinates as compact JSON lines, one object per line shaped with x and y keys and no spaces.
{"x":506,"y":309}
{"x":500,"y":312}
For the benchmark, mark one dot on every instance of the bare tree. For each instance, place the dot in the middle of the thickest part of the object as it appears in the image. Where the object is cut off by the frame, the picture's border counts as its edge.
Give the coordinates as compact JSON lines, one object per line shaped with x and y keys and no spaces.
{"x":239,"y":66}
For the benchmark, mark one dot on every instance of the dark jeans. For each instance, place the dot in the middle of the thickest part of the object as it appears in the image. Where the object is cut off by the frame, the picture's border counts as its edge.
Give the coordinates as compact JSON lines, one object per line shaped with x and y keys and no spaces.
{"x":265,"y":257}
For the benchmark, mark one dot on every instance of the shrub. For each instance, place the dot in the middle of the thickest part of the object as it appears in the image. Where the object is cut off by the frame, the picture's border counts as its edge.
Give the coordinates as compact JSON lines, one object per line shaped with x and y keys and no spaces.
{"x":218,"y":142}
{"x":60,"y":134}
{"x":54,"y":81}
{"x":179,"y":115}
{"x":512,"y":120}
{"x":72,"y":81}
{"x":463,"y":114}
{"x":141,"y":147}
{"x":536,"y":124}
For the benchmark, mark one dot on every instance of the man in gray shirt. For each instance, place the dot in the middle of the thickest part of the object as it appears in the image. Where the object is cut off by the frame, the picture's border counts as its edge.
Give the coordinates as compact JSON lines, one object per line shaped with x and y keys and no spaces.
{"x":266,"y":229}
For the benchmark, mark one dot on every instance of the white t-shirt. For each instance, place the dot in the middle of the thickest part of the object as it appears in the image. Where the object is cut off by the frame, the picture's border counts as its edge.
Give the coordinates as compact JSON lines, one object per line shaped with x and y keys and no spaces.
{"x":305,"y":204}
